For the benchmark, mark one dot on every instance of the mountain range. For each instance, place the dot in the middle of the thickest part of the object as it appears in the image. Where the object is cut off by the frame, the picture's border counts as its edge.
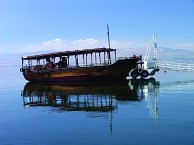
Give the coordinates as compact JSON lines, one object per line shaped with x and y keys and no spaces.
{"x":164,"y":54}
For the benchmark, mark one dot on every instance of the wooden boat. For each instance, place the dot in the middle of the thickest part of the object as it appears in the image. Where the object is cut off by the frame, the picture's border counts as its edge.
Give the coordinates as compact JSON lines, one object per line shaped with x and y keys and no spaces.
{"x":79,"y":65}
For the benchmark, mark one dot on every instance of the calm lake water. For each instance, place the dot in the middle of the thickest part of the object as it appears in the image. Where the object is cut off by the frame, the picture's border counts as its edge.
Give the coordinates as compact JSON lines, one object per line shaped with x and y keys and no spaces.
{"x":155,"y":111}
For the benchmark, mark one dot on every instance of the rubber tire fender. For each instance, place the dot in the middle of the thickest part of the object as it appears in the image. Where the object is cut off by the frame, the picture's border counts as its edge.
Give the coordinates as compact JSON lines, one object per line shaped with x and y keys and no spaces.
{"x":134,"y":74}
{"x":144,"y":74}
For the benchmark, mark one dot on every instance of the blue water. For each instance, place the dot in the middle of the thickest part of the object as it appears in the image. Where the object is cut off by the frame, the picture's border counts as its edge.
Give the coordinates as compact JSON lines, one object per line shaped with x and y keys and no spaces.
{"x":154,"y":112}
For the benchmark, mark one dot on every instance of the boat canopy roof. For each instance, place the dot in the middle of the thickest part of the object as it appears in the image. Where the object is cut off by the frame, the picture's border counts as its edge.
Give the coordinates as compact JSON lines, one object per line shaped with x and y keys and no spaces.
{"x":69,"y":53}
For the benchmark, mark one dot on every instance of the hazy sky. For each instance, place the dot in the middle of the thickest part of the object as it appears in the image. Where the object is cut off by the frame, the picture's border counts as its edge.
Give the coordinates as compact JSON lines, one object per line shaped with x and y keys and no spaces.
{"x":36,"y":25}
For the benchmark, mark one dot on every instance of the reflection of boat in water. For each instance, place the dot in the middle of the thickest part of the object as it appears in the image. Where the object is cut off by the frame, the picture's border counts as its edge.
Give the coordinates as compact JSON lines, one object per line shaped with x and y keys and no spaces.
{"x":148,"y":89}
{"x":89,"y":97}
{"x":100,"y":97}
{"x":78,"y":96}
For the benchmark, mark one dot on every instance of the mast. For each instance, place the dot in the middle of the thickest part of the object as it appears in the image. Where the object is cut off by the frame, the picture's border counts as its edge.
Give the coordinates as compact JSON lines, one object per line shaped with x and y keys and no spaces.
{"x":108,"y":52}
{"x":108,"y":36}
{"x":155,"y":49}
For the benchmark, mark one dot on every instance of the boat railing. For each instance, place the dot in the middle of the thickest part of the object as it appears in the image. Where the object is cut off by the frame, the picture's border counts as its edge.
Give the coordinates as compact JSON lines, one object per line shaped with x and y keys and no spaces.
{"x":123,"y":58}
{"x":133,"y":57}
{"x":42,"y":67}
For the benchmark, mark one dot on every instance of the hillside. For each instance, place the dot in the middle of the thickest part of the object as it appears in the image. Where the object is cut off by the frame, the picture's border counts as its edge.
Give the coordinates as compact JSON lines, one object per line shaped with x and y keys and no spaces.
{"x":164,"y":54}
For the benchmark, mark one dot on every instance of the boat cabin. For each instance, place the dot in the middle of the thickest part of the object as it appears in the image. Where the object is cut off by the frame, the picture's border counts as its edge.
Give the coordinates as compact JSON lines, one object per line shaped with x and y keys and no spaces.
{"x":66,"y":59}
